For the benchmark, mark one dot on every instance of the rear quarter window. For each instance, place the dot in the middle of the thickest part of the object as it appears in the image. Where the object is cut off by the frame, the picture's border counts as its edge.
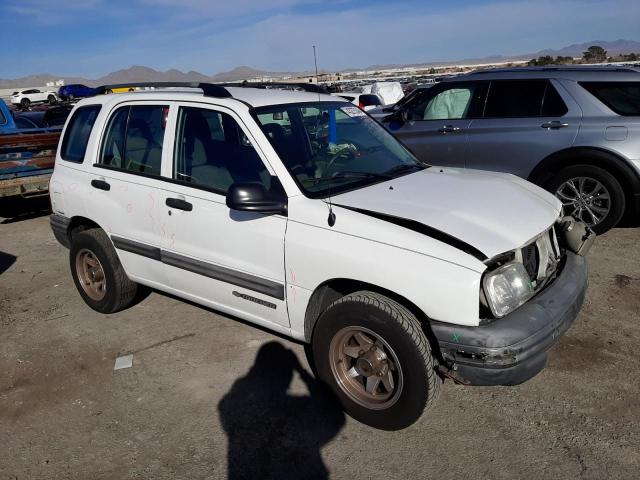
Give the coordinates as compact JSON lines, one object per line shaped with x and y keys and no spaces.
{"x":74,"y":143}
{"x":621,"y":97}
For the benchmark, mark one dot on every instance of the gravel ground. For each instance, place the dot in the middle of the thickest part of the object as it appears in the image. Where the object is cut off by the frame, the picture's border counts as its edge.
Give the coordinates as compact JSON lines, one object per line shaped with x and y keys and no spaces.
{"x":65,"y":413}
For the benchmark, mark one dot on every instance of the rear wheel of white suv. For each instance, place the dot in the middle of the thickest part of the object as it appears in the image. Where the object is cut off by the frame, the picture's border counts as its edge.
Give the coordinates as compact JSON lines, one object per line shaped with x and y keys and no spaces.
{"x":98,"y":273}
{"x":374,"y":355}
{"x":590,"y":194}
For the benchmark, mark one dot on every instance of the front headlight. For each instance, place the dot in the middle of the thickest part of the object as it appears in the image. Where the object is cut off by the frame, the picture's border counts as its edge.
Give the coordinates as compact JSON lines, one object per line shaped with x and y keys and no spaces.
{"x":506,"y":288}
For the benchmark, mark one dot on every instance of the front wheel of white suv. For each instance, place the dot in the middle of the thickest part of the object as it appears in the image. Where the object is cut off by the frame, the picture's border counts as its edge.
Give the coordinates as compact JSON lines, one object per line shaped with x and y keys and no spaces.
{"x":98,"y":273}
{"x":374,"y":355}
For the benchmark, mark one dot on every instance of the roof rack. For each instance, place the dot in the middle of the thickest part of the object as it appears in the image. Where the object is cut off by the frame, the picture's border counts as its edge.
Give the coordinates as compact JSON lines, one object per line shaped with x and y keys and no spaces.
{"x":208,"y":89}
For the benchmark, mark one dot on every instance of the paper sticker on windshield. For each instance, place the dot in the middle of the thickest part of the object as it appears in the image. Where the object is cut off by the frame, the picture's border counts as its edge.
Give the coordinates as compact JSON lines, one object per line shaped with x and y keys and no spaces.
{"x":353,"y":111}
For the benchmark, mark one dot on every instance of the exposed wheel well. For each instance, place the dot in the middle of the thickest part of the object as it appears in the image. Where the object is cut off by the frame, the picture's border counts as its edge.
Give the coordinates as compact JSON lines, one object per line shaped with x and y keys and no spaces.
{"x":613,"y":163}
{"x":79,"y":224}
{"x":332,"y":290}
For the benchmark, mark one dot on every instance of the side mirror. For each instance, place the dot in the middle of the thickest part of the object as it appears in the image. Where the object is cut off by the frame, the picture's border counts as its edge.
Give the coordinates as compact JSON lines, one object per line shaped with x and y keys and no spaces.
{"x":253,"y":197}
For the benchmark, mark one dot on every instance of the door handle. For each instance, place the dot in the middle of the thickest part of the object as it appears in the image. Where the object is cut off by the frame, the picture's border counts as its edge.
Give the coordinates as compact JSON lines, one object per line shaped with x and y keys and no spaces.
{"x":179,"y":203}
{"x":100,"y":185}
{"x":448,"y":129}
{"x":555,"y":124}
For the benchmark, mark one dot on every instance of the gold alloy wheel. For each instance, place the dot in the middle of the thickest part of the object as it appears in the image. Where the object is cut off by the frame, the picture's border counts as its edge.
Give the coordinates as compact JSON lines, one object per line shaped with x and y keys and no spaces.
{"x":365,"y":367}
{"x":91,"y":274}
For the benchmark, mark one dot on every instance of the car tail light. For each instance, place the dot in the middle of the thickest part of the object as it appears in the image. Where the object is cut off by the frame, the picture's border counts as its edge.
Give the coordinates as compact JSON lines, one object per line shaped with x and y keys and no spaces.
{"x":361,"y":106}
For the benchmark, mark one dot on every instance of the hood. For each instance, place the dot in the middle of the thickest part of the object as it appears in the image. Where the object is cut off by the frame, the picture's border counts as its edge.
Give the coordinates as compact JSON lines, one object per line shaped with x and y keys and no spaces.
{"x":491,"y":212}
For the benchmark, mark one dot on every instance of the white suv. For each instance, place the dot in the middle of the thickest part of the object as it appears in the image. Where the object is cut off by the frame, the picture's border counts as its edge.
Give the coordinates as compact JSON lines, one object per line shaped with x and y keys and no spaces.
{"x":298,"y":212}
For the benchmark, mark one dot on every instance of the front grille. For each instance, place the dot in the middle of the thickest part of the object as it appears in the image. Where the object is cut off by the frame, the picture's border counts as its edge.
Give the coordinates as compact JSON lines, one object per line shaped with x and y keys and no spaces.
{"x":540,"y":258}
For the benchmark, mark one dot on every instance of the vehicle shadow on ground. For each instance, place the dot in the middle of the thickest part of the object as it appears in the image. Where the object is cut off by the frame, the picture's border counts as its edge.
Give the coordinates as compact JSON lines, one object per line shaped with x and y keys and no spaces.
{"x":6,"y":260}
{"x":274,"y":434}
{"x":15,"y":209}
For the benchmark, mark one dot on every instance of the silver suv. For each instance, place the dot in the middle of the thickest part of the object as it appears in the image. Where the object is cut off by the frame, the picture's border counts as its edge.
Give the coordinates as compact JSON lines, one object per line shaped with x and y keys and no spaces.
{"x":572,"y":130}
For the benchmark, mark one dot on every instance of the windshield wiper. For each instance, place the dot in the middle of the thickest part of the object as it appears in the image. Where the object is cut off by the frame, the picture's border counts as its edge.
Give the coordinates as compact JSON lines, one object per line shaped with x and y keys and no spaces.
{"x":405,"y":167}
{"x":343,"y":175}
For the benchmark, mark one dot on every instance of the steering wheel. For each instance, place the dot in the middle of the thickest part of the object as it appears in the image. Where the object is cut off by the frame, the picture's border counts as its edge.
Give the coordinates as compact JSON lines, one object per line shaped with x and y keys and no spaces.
{"x":345,"y":153}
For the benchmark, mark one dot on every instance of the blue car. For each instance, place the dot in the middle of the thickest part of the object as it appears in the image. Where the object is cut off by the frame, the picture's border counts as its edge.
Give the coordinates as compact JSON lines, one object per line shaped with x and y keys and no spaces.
{"x":77,"y":90}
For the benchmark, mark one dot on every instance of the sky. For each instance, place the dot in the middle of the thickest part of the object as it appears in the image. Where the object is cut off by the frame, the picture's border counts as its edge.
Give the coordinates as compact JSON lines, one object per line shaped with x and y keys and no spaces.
{"x":91,"y":38}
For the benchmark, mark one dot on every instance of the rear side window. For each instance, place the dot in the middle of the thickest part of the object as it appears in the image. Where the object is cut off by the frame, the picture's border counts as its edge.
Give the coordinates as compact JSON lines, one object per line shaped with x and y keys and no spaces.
{"x":74,"y":144}
{"x":134,"y":138}
{"x":369,"y":100}
{"x":621,"y":97}
{"x":552,"y":104}
{"x":509,"y":99}
{"x":522,"y":99}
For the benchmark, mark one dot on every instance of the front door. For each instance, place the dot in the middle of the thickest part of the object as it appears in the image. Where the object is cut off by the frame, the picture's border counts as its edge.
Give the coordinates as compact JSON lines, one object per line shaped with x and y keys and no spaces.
{"x":437,"y":122}
{"x":232,"y":260}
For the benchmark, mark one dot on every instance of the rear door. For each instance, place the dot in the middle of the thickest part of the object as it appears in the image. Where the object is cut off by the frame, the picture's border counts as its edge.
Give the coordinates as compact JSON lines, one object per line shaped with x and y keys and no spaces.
{"x":523,"y":121}
{"x":232,"y":260}
{"x":125,"y":180}
{"x":437,"y":123}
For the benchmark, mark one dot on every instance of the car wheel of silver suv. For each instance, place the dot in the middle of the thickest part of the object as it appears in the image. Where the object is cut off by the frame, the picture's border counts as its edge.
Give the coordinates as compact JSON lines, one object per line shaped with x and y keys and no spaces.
{"x":590,"y":194}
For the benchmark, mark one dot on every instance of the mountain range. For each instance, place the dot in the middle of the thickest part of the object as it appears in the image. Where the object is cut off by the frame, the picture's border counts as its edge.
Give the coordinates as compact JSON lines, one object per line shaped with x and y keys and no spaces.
{"x":146,"y":74}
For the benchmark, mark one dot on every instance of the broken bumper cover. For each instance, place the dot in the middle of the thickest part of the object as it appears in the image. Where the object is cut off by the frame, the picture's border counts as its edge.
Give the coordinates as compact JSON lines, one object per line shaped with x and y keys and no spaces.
{"x":60,"y":227}
{"x":513,"y":349}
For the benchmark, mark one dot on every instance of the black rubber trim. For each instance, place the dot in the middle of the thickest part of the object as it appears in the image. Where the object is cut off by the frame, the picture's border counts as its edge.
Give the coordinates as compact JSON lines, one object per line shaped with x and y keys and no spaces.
{"x":421,"y":228}
{"x":136,"y":247}
{"x":227,"y":275}
{"x":60,"y":227}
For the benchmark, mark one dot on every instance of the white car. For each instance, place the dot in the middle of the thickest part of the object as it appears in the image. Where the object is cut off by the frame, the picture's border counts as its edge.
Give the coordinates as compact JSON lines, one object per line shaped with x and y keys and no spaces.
{"x":24,"y":98}
{"x":365,"y":101}
{"x":301,"y":214}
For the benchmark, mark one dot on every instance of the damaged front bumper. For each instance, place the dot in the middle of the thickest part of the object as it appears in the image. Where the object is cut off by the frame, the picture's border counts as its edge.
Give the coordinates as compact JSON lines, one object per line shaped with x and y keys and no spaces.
{"x":513,"y":349}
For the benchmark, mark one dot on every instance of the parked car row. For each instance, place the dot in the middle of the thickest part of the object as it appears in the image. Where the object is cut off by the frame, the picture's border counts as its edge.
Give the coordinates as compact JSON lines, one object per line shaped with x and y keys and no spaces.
{"x":300,"y":213}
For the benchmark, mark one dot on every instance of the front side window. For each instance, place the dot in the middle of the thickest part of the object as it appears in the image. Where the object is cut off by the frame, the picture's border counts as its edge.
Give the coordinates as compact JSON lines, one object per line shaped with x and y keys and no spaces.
{"x":134,"y":138}
{"x":3,"y":120}
{"x":331,"y":147}
{"x":212,"y":152}
{"x":74,"y":143}
{"x":621,"y":97}
{"x":450,"y":104}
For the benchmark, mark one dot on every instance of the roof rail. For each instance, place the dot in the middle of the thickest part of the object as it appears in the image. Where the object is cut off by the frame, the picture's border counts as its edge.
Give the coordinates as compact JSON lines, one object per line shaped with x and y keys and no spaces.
{"x":558,"y":68}
{"x":208,"y":89}
{"x":307,"y":87}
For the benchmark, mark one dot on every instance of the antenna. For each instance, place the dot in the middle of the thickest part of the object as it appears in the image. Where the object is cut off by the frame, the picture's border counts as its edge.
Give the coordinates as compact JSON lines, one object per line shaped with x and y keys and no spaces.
{"x":331,"y":219}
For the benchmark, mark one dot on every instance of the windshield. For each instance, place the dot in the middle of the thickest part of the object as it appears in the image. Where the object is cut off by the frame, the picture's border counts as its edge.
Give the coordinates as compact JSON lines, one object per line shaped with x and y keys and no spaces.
{"x":333,"y":147}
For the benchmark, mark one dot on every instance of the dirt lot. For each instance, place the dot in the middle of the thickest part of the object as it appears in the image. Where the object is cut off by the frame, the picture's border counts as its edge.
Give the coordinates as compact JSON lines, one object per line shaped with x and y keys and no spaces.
{"x":65,"y":413}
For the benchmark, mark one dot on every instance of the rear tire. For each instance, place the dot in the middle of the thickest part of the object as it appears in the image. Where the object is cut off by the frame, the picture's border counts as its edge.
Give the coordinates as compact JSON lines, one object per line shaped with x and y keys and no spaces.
{"x":374,"y":355}
{"x":590,"y":194}
{"x":98,"y":273}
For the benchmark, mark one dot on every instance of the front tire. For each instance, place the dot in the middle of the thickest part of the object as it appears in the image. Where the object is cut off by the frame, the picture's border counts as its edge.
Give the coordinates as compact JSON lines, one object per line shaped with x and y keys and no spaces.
{"x":24,"y":103}
{"x":590,"y":194}
{"x":374,"y":355}
{"x":52,"y":100}
{"x":98,"y":273}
